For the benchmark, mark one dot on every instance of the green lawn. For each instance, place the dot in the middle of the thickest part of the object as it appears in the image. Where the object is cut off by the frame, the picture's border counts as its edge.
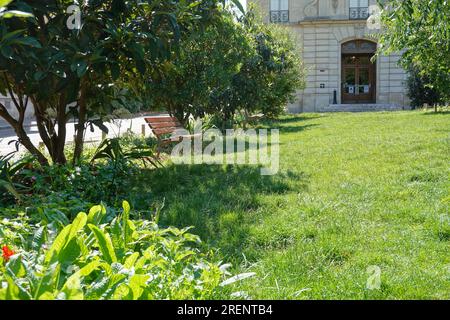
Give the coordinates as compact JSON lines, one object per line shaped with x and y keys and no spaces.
{"x":354,"y":190}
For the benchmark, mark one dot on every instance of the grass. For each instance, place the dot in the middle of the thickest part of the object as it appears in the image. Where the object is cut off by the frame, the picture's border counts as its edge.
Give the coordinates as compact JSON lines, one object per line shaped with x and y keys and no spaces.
{"x":353,"y":191}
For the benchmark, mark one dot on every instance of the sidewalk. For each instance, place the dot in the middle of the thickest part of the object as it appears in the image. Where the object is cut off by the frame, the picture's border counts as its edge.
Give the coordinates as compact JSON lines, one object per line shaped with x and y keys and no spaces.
{"x":115,"y":128}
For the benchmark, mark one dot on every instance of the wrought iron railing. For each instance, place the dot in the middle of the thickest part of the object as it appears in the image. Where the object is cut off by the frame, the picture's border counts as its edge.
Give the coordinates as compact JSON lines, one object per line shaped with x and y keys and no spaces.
{"x":359,"y":13}
{"x":279,"y":16}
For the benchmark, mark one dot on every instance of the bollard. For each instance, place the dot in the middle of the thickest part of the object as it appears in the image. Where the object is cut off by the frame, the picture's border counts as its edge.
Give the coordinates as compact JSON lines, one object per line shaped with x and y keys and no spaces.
{"x":143,"y":130}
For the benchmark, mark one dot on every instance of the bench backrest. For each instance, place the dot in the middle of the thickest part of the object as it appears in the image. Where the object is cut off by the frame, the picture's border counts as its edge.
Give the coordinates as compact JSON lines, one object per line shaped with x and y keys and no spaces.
{"x":163,"y":125}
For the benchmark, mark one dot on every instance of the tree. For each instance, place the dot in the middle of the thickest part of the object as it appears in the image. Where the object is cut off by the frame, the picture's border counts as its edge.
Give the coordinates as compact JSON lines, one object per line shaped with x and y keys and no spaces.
{"x":268,"y":79}
{"x":420,"y":29}
{"x":65,"y":72}
{"x":419,"y":91}
{"x":203,"y":69}
{"x":237,"y":64}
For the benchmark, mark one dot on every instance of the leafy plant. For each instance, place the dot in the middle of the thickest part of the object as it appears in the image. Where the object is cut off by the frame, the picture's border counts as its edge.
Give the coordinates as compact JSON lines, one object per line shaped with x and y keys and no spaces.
{"x":92,"y":258}
{"x":66,"y":70}
{"x":9,"y":170}
{"x":419,"y":29}
{"x":238,"y":63}
{"x":112,"y":150}
{"x":420,"y":90}
{"x":5,"y":13}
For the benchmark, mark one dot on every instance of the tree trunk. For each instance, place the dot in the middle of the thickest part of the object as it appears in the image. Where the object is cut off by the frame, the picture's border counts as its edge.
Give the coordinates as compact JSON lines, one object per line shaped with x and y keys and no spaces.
{"x":82,"y":113}
{"x":62,"y":121}
{"x":23,"y":136}
{"x":40,"y":122}
{"x":26,"y":142}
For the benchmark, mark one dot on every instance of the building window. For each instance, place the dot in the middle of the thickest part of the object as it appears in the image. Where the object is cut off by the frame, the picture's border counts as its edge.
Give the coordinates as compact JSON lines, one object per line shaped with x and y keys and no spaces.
{"x":279,"y":11}
{"x":359,"y":9}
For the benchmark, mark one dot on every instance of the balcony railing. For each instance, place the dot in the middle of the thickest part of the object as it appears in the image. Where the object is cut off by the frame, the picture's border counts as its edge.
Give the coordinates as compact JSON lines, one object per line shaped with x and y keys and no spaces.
{"x":279,"y":16}
{"x":359,"y":13}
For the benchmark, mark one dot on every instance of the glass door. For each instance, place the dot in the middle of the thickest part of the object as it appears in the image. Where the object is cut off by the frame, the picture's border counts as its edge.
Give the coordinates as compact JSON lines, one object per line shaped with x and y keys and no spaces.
{"x":358,"y":79}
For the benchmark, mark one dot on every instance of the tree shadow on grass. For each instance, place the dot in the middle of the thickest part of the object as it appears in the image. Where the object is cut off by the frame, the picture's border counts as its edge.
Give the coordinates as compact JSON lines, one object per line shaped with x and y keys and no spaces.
{"x":293,"y":129}
{"x":221,"y":202}
{"x":274,"y":123}
{"x":436,"y":113}
{"x":298,"y":118}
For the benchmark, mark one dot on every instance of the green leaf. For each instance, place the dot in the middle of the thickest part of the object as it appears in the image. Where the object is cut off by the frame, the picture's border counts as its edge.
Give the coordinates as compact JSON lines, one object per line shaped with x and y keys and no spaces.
{"x":78,"y":223}
{"x":80,"y":67}
{"x":131,"y":260}
{"x":13,"y":34}
{"x":46,"y":296}
{"x":64,"y":238}
{"x":6,"y":51}
{"x":4,"y":3}
{"x":57,"y":245}
{"x":15,"y":13}
{"x":125,"y":218}
{"x":12,"y":291}
{"x":28,"y":41}
{"x":16,"y":267}
{"x":137,"y":285}
{"x":104,"y":243}
{"x":39,"y":238}
{"x":72,"y":288}
{"x":176,"y":28}
{"x":10,"y":188}
{"x":96,"y":214}
{"x":115,"y":71}
{"x":140,"y":65}
{"x":39,"y":75}
{"x":238,"y":4}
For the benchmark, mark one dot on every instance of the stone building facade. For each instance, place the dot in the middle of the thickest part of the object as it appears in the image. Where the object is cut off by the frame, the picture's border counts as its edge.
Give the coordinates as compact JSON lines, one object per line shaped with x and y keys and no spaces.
{"x":337,"y":41}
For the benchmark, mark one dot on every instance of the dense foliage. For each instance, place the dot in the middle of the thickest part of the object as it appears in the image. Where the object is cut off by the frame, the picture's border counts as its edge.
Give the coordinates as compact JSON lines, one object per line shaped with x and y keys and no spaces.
{"x":420,"y":29}
{"x":420,"y":92}
{"x":191,"y":58}
{"x":69,"y":73}
{"x":103,"y":175}
{"x":104,"y":255}
{"x":240,"y":66}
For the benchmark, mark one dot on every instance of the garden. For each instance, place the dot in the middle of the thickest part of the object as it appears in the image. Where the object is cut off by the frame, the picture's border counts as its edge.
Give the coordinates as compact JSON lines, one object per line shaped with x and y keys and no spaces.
{"x":359,"y":208}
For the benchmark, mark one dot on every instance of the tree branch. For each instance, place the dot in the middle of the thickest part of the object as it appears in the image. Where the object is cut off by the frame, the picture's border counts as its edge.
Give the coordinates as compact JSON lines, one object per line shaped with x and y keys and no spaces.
{"x":11,"y":92}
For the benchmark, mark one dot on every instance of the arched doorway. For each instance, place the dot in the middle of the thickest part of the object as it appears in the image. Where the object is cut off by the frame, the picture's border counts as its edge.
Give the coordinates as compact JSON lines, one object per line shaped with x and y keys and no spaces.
{"x":358,"y":72}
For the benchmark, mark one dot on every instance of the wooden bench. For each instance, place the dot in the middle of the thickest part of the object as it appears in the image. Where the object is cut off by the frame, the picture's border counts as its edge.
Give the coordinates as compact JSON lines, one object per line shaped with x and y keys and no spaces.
{"x":164,"y":128}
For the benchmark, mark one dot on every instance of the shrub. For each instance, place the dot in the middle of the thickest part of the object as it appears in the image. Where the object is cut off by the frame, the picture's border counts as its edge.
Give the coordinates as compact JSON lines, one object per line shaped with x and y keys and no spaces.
{"x":240,"y":66}
{"x":98,"y":258}
{"x":10,"y":186}
{"x":104,"y":177}
{"x":419,"y":90}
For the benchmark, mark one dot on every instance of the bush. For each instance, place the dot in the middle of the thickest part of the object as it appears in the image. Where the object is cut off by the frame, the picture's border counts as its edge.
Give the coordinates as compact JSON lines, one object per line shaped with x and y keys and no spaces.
{"x":96,"y":257}
{"x":103,"y":177}
{"x":240,"y":66}
{"x":419,"y":90}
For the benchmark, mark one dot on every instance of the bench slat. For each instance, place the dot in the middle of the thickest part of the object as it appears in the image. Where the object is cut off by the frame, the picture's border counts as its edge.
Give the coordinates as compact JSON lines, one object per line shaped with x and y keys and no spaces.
{"x":162,"y":131}
{"x":158,"y":125}
{"x":161,"y":119}
{"x":163,"y":125}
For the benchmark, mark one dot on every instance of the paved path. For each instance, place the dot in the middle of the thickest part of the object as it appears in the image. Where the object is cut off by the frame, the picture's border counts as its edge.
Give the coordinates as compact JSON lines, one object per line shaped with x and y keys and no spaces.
{"x":116,"y":128}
